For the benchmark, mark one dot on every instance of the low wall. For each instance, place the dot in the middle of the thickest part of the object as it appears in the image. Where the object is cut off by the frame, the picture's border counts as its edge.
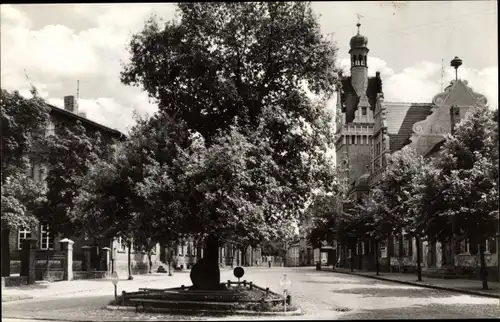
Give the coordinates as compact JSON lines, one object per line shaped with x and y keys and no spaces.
{"x":80,"y":275}
{"x":139,"y":263}
{"x":14,"y":281}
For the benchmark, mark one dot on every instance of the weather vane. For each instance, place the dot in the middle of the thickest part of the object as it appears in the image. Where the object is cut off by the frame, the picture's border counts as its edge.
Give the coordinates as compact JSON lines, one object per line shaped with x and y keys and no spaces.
{"x":359,"y":19}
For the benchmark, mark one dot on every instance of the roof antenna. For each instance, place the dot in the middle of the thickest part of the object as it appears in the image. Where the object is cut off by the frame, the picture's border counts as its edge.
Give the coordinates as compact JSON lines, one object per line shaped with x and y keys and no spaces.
{"x":442,"y":73}
{"x":77,"y":94}
{"x":33,"y":88}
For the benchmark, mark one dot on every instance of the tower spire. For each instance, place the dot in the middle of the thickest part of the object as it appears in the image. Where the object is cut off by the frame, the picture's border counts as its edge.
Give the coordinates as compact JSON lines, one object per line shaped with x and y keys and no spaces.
{"x":359,"y":23}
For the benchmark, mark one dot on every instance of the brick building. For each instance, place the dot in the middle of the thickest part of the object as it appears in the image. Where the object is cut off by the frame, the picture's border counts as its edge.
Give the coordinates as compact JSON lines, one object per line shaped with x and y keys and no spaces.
{"x":48,"y":243}
{"x":369,"y":130}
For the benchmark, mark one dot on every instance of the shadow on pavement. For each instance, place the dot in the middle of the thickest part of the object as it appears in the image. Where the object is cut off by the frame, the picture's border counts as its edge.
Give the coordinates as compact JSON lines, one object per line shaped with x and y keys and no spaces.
{"x":335,"y":282}
{"x":394,"y":292}
{"x":39,"y":285}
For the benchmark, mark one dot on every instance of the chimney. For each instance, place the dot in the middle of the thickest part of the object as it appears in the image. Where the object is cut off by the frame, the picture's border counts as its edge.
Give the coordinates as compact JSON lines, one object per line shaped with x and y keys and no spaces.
{"x":70,"y":104}
{"x":454,"y":116}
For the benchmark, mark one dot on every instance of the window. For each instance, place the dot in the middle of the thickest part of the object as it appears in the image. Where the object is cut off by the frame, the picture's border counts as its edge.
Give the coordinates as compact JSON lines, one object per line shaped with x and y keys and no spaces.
{"x":122,"y":247}
{"x":46,"y":238}
{"x":353,"y":139}
{"x":396,"y":246}
{"x":362,"y":248}
{"x":464,"y":246}
{"x":50,"y":129}
{"x":383,"y":249}
{"x":363,"y":111}
{"x":23,"y":234}
{"x":407,"y":246}
{"x":348,"y":139}
{"x":365,"y":141}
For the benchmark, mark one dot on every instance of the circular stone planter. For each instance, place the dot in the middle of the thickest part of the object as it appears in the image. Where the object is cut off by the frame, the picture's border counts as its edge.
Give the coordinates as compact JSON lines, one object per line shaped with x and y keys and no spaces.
{"x":298,"y":311}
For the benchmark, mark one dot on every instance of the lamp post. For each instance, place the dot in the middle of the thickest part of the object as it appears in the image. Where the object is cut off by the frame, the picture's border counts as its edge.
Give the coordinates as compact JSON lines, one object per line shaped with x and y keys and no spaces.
{"x":170,"y":262}
{"x":114,"y":280}
{"x":285,"y":285}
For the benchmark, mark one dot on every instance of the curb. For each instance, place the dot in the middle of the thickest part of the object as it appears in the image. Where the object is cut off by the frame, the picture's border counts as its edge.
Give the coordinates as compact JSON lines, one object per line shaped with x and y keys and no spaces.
{"x":21,"y":297}
{"x":423,"y":284}
{"x":13,"y":298}
{"x":236,"y":312}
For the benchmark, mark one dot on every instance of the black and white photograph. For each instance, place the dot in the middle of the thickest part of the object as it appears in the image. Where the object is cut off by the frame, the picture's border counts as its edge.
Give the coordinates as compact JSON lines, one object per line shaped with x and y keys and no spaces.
{"x":219,"y":161}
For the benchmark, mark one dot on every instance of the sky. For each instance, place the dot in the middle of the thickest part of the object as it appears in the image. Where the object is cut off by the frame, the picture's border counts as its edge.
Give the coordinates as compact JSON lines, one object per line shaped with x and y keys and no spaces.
{"x":52,"y":46}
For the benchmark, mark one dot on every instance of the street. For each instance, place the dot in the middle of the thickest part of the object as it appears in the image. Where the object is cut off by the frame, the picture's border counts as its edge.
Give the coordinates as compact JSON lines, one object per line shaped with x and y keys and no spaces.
{"x":320,"y":294}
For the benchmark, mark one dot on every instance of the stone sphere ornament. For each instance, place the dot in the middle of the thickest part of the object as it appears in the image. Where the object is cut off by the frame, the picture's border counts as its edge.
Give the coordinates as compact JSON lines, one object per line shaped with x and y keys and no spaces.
{"x":239,"y":272}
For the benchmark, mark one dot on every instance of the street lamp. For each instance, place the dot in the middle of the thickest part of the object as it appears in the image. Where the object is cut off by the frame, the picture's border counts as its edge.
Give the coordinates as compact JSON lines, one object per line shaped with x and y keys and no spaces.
{"x":170,"y":262}
{"x":285,"y":285}
{"x":114,"y":280}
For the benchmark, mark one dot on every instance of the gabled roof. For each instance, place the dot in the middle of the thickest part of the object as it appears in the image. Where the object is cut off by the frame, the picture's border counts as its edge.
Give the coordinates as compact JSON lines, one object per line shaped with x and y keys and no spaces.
{"x":400,"y":120}
{"x":373,"y":88}
{"x":84,"y":120}
{"x":435,"y":148}
{"x":460,"y":94}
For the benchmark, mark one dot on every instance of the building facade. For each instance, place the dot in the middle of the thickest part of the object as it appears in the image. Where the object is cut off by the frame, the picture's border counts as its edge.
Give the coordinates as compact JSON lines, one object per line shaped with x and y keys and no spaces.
{"x":48,"y":242}
{"x":368,"y":131}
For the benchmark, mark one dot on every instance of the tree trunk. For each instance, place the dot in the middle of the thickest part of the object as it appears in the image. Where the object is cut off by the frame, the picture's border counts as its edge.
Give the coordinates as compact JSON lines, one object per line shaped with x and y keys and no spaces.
{"x":5,"y":252}
{"x":360,"y":256}
{"x":377,"y":249}
{"x":198,"y":249}
{"x":390,"y":249}
{"x":484,"y":272}
{"x":233,"y":252}
{"x":205,"y":275}
{"x":150,"y":261}
{"x":419,"y":259}
{"x":351,"y":260}
{"x":129,"y":261}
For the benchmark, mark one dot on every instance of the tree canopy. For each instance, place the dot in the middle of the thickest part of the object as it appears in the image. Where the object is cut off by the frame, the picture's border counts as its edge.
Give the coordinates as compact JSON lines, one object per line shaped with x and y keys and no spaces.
{"x":23,"y":127}
{"x":248,"y":83}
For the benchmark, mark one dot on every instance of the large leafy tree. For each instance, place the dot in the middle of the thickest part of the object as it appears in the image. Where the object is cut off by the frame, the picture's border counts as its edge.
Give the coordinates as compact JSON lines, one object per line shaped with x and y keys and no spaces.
{"x":324,"y":215}
{"x":133,"y":193}
{"x":238,"y":75}
{"x":23,"y":126}
{"x":469,"y":163}
{"x":424,"y":204}
{"x":69,"y":153}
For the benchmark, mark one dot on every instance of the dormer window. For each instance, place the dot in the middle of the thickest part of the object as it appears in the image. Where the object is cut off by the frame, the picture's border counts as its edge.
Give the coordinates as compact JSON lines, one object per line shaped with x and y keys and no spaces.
{"x":363,"y":110}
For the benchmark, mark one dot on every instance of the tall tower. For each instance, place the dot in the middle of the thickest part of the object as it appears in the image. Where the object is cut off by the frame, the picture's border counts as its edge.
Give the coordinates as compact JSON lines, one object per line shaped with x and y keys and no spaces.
{"x":354,"y":128}
{"x":359,"y":67}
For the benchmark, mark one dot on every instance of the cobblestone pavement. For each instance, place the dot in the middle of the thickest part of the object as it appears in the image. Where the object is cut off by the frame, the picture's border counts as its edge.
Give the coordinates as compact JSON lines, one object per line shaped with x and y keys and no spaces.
{"x":321,"y":295}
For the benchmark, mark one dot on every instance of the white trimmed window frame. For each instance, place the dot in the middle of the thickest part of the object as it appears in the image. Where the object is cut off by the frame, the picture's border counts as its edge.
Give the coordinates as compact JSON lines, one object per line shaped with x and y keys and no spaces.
{"x":465,"y":244}
{"x":22,"y":234}
{"x":46,"y":238}
{"x":122,"y":247}
{"x":50,"y":129}
{"x":406,"y":245}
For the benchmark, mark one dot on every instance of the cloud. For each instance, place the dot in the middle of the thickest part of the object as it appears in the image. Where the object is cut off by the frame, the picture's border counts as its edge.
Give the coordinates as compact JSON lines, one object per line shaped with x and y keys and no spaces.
{"x":54,"y":56}
{"x":420,"y":82}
